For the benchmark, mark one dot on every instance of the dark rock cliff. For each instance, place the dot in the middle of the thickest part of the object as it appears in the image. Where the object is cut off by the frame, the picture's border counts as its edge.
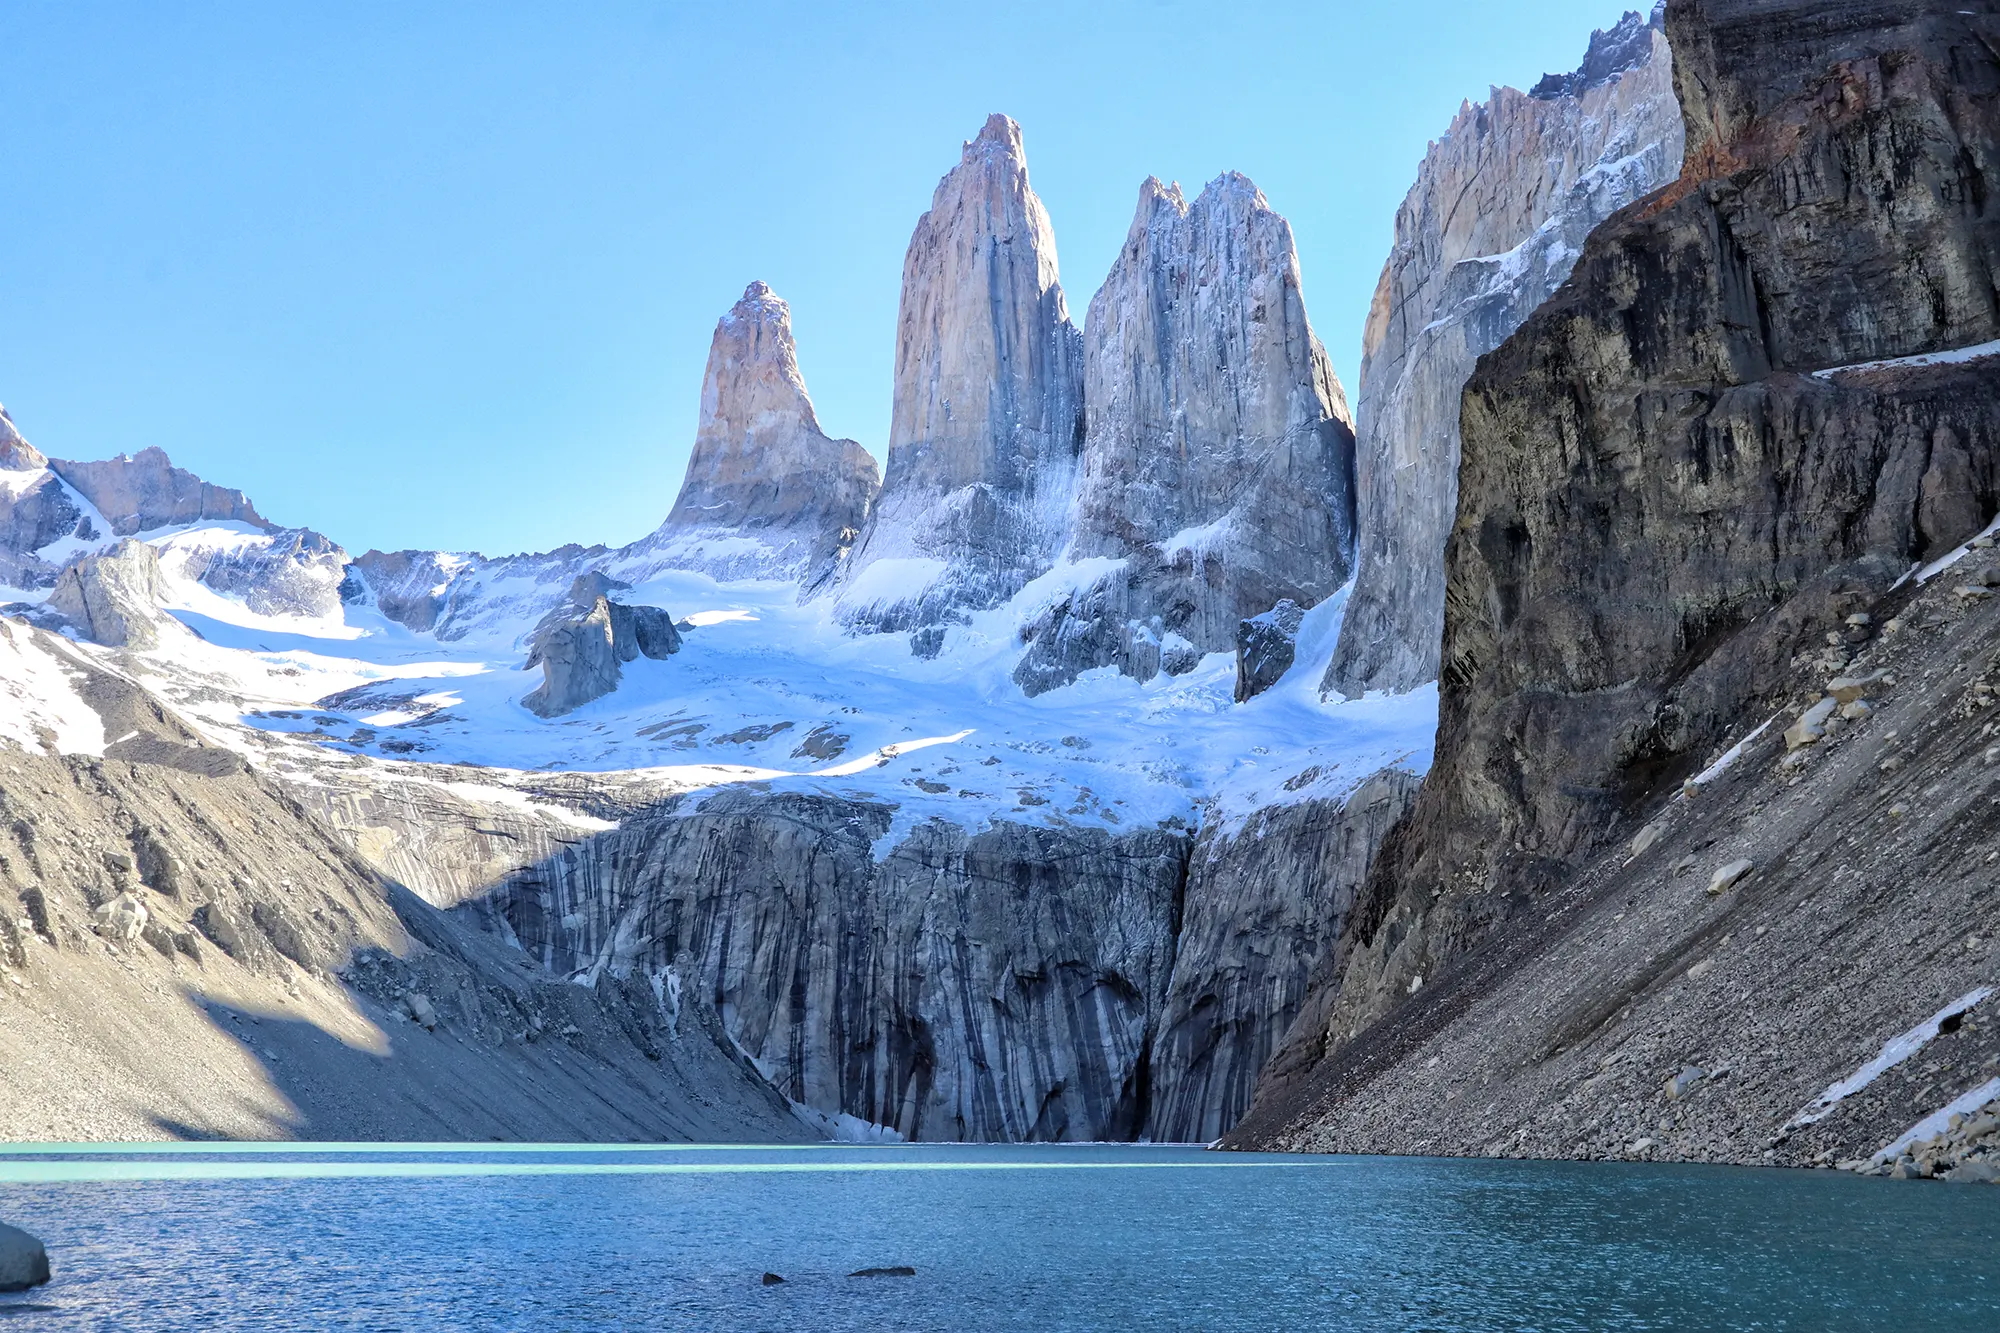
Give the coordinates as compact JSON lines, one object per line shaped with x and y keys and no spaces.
{"x":1678,"y":478}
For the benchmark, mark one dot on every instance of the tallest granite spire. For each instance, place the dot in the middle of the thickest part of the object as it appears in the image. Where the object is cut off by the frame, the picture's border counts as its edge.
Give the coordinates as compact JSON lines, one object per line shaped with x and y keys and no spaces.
{"x":987,"y":416}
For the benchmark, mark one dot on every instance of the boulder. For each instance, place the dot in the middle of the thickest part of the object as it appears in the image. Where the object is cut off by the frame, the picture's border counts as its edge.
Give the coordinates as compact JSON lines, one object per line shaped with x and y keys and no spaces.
{"x":1810,"y":729}
{"x":123,"y":918}
{"x":1265,"y":647}
{"x":24,"y":1261}
{"x":1726,"y":877}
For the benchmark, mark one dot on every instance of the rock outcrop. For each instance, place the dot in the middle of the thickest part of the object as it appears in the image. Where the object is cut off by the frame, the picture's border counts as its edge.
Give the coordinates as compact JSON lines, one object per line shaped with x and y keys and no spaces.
{"x":35,"y":511}
{"x":1763,"y":394}
{"x":113,"y":598}
{"x":767,"y":494}
{"x":289,"y":572}
{"x":582,"y":647}
{"x":1498,"y":215}
{"x":987,"y":416}
{"x":1218,"y":460}
{"x":142,"y":491}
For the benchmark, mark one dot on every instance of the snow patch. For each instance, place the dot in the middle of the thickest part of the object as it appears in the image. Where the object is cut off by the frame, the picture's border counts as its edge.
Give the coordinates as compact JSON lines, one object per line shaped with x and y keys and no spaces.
{"x":1894,"y":1051}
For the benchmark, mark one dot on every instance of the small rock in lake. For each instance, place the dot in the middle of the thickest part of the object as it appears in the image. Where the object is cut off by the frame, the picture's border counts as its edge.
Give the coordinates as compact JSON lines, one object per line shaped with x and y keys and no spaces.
{"x":899,"y":1270}
{"x":24,"y":1262}
{"x":772,"y":1279}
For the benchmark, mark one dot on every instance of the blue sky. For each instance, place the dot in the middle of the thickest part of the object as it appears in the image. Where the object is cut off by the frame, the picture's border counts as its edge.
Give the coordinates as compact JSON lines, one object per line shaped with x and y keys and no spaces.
{"x":444,"y":275}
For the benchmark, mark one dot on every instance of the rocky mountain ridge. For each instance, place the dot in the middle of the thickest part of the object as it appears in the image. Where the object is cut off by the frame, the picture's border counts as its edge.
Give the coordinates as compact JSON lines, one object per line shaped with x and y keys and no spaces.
{"x":1217,"y":461}
{"x":1694,"y":483}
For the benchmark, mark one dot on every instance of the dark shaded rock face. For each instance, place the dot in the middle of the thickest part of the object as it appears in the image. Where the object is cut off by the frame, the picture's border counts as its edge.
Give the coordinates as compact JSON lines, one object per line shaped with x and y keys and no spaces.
{"x":583,"y":646}
{"x":1265,"y":647}
{"x":1265,"y":903}
{"x":767,"y":494}
{"x":1218,"y":459}
{"x":1675,"y":479}
{"x":142,"y":491}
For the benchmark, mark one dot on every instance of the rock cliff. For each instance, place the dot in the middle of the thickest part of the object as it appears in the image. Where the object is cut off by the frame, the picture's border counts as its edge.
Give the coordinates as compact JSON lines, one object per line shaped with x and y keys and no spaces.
{"x":987,"y":416}
{"x":142,"y":491}
{"x":1218,"y":458}
{"x":1001,"y":983}
{"x":1690,"y":483}
{"x":767,"y":494}
{"x":1264,"y":905}
{"x":1498,"y":215}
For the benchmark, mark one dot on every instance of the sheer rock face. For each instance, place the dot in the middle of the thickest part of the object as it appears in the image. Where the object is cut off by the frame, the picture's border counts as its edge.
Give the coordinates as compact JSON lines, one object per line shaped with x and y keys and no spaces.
{"x":1500,"y":210}
{"x":996,"y":985}
{"x":1218,"y":460}
{"x":767,"y":494}
{"x":142,"y":491}
{"x":1677,"y":479}
{"x":1264,"y":905}
{"x":987,"y":416}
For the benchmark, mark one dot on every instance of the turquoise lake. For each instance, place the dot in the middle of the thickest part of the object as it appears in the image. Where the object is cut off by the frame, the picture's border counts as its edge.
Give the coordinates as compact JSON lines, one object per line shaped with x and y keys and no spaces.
{"x":206,"y":1236}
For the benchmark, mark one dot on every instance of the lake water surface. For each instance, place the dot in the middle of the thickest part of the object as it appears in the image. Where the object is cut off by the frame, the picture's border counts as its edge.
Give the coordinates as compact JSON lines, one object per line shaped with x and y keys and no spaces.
{"x":1010,"y":1238}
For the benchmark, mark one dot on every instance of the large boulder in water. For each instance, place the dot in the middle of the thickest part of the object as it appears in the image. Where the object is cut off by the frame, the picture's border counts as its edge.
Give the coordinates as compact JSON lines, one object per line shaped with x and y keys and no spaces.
{"x":583,"y":645}
{"x":24,"y":1262}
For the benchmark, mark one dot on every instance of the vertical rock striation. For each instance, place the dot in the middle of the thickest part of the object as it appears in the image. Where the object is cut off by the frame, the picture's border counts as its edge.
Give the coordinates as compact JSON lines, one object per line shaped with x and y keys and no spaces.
{"x":1265,"y":903}
{"x":1500,"y":210}
{"x":1218,"y":461}
{"x":767,"y":493}
{"x":987,"y":415}
{"x":1761,"y":396}
{"x":995,"y":985}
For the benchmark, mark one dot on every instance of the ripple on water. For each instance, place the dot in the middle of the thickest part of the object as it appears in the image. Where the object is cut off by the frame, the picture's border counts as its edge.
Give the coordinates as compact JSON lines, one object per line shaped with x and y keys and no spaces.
{"x":1092,"y":1237}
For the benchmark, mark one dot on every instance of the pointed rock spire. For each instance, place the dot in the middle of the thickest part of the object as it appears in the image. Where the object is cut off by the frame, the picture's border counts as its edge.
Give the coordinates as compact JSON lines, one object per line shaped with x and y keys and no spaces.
{"x":988,"y":403}
{"x":16,"y":454}
{"x":761,"y":466}
{"x":1218,"y":460}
